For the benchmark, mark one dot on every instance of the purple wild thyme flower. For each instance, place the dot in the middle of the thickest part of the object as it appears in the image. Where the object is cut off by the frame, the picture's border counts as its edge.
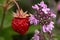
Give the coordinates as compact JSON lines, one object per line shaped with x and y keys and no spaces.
{"x":35,"y":7}
{"x":45,"y":10}
{"x":33,"y":20}
{"x":45,"y":16}
{"x":52,"y":14}
{"x":42,"y":4}
{"x":36,"y":35}
{"x":48,"y":28}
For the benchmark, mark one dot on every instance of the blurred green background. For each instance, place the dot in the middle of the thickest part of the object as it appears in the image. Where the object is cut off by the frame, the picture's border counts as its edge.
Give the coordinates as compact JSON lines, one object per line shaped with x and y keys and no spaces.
{"x":9,"y":34}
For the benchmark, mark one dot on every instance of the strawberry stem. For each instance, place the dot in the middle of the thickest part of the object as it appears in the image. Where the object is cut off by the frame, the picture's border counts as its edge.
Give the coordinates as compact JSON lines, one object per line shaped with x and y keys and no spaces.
{"x":17,"y":7}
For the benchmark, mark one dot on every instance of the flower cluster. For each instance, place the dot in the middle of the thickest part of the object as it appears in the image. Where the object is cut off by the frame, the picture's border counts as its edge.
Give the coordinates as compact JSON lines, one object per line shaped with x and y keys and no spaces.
{"x":43,"y":16}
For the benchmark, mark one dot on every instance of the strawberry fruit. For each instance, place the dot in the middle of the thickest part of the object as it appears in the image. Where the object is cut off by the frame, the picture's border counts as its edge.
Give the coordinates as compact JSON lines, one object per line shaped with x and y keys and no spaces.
{"x":20,"y":23}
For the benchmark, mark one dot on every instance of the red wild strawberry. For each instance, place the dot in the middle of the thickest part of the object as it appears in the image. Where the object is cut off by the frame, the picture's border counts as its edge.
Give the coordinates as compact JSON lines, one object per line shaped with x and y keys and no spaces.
{"x":20,"y":22}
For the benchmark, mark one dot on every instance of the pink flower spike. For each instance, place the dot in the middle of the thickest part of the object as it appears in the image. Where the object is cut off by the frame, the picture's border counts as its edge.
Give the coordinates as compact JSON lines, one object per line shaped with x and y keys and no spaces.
{"x":51,"y":22}
{"x":42,"y":4}
{"x":33,"y":20}
{"x":35,"y":7}
{"x":44,"y":28}
{"x":48,"y":28}
{"x":45,"y":10}
{"x":53,"y":15}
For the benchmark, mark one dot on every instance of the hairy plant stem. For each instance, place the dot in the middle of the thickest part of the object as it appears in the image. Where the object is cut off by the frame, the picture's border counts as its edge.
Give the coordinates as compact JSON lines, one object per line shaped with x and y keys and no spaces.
{"x":3,"y":17}
{"x":4,"y":13}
